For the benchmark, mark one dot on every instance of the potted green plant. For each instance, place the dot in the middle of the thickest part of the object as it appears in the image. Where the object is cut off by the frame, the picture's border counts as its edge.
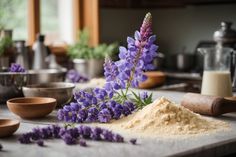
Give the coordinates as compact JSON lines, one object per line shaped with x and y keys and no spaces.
{"x":87,"y":60}
{"x":5,"y":46}
{"x":6,"y":49}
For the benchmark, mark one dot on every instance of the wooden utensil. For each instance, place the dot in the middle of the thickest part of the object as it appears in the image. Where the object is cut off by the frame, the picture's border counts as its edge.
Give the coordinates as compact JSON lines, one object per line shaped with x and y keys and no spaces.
{"x":208,"y":105}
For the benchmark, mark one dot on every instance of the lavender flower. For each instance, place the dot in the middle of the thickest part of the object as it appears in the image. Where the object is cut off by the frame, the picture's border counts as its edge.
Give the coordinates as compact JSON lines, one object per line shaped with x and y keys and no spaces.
{"x":95,"y":106}
{"x":55,"y":129}
{"x":70,"y":135}
{"x":144,"y":95}
{"x":82,"y":143}
{"x":134,"y":59}
{"x":104,"y":116}
{"x":85,"y":131}
{"x":74,"y":77}
{"x":40,"y":143}
{"x":68,"y":139}
{"x":118,"y":138}
{"x":92,"y":114}
{"x":25,"y":138}
{"x":16,"y":68}
{"x":108,"y":135}
{"x":96,"y":133}
{"x":133,"y":141}
{"x":145,"y":30}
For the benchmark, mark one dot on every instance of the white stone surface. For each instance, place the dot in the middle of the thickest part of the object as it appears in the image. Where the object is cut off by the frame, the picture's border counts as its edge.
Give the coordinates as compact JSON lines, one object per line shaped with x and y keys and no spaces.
{"x":217,"y":144}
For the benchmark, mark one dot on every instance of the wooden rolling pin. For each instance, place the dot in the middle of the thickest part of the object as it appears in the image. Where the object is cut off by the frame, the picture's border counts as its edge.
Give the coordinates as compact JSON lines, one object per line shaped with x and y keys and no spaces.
{"x":208,"y":105}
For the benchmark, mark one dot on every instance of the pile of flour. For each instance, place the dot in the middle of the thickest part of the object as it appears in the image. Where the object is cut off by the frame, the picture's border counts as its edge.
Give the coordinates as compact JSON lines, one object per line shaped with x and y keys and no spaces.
{"x":163,"y":117}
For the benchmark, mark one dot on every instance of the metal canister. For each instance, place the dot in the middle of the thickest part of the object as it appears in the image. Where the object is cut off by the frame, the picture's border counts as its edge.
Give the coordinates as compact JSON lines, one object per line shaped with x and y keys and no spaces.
{"x":226,"y":37}
{"x":22,"y":56}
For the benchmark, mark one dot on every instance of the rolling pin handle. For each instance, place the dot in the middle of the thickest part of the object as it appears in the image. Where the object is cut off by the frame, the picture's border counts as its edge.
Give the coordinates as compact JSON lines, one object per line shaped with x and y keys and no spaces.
{"x":222,"y":106}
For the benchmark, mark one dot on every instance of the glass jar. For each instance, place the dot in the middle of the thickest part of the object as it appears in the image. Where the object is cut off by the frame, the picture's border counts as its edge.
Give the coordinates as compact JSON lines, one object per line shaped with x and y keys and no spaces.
{"x":216,"y":79}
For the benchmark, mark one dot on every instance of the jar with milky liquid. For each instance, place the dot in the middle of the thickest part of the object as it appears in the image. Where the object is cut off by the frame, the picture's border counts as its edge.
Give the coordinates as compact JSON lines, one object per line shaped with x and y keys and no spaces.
{"x":216,"y":79}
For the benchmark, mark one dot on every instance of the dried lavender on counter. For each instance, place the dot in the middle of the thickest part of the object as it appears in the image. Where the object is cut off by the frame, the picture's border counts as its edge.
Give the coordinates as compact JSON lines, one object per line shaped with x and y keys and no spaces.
{"x":70,"y":135}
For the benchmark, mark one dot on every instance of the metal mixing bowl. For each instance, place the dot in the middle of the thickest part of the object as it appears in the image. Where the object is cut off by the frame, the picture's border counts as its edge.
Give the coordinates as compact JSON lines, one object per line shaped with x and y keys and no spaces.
{"x":46,"y":75}
{"x":11,"y":85}
{"x":91,"y":68}
{"x":61,"y":91}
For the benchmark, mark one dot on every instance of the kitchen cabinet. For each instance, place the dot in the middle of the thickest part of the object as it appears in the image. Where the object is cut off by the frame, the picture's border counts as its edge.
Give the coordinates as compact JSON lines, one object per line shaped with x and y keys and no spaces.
{"x":158,"y":3}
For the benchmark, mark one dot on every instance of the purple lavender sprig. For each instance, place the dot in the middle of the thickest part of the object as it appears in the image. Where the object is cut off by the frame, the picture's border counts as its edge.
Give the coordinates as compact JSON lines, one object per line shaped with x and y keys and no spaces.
{"x":136,"y":58}
{"x":95,"y":106}
{"x":75,"y":77}
{"x":70,"y":135}
{"x":16,"y":68}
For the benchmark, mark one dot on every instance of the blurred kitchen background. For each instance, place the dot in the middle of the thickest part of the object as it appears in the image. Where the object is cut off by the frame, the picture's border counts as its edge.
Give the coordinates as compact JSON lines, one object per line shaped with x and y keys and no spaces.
{"x":181,"y":27}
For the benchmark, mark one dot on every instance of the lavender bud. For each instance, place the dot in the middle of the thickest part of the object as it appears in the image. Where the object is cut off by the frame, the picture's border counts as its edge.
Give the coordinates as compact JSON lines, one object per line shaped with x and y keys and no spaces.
{"x":40,"y":143}
{"x":133,"y":141}
{"x":82,"y":143}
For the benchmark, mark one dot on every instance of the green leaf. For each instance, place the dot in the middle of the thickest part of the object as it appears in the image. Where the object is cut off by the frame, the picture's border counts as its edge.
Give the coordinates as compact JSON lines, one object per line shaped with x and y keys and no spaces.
{"x":148,"y":100}
{"x":136,"y":96}
{"x":139,"y":103}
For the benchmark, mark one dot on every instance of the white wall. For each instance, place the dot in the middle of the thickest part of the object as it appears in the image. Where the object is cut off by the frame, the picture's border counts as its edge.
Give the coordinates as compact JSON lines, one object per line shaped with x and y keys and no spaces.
{"x":175,"y":27}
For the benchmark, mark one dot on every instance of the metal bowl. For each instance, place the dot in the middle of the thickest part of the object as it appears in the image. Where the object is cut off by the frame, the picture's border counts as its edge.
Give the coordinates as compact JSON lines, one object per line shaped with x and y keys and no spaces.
{"x":90,"y":68}
{"x":46,"y":75}
{"x":61,"y":91}
{"x":11,"y":85}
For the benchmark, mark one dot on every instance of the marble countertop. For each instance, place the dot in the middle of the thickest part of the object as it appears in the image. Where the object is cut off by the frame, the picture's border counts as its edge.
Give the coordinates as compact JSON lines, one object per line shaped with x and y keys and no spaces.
{"x":216,"y":144}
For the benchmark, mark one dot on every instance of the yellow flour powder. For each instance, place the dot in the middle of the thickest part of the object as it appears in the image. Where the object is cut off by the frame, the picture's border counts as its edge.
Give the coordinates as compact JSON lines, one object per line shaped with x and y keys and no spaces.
{"x":163,"y":117}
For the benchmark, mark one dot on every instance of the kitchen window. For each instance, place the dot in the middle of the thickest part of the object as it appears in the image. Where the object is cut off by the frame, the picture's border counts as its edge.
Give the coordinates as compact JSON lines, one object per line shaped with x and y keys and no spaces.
{"x":56,"y":21}
{"x":59,"y":20}
{"x":13,"y":15}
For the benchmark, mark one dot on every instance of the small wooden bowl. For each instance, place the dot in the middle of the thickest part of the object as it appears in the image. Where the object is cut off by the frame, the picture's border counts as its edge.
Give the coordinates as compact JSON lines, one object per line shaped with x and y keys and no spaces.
{"x":31,"y":107}
{"x":8,"y":127}
{"x":154,"y":78}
